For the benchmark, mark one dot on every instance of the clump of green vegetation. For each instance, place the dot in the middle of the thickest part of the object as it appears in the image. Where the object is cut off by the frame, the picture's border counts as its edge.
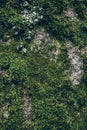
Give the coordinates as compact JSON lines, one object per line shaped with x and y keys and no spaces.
{"x":56,"y":103}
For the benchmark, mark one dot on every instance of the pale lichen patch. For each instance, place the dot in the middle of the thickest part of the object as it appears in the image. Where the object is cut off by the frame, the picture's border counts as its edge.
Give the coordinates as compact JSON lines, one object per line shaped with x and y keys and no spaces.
{"x":71,"y":14}
{"x":43,"y":42}
{"x":5,"y":111}
{"x":27,"y":107}
{"x":84,"y":51}
{"x":76,"y":68}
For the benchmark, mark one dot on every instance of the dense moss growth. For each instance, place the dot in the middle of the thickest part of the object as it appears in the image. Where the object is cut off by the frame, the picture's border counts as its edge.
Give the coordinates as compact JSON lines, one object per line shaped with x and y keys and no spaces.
{"x":56,"y":103}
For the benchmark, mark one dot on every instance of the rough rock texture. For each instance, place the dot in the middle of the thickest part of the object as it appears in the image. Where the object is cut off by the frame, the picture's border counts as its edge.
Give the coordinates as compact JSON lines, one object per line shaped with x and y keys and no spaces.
{"x":71,"y":14}
{"x":4,"y":111}
{"x":27,"y":108}
{"x":76,"y":68}
{"x":43,"y":42}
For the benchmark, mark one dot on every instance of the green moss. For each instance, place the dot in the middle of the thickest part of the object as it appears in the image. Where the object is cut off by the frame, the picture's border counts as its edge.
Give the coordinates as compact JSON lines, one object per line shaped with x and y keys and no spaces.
{"x":56,"y":105}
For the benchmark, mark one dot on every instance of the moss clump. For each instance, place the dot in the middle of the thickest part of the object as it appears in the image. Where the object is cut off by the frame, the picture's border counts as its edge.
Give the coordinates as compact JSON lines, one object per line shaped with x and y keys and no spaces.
{"x":55,"y":103}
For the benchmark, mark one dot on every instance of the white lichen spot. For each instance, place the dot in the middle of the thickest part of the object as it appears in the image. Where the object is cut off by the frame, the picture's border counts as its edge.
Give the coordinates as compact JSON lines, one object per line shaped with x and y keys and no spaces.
{"x":76,"y":69}
{"x":31,"y":17}
{"x":24,"y":50}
